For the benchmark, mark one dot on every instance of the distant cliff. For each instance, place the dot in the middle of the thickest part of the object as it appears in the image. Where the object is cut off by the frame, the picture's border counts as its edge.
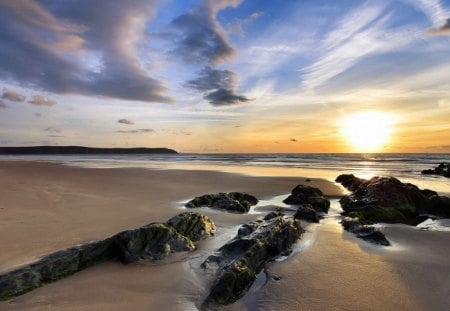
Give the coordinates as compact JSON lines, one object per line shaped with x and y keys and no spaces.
{"x":82,"y":150}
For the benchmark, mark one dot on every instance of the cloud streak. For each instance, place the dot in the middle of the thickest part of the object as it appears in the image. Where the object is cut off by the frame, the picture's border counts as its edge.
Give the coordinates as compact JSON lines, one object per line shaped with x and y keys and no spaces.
{"x":13,"y":96}
{"x":76,"y":48}
{"x":363,"y":32}
{"x":39,"y":100}
{"x":125,"y":121}
{"x":139,"y":131}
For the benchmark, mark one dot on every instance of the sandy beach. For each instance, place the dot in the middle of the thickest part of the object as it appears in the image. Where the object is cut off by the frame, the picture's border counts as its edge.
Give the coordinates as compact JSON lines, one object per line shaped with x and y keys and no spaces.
{"x":48,"y":206}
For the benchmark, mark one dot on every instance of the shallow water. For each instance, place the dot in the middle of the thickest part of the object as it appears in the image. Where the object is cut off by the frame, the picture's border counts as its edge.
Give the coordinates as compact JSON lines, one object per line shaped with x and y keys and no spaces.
{"x":406,"y":167}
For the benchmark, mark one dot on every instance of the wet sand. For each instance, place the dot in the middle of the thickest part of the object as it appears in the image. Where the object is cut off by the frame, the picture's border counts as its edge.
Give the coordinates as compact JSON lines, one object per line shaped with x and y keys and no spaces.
{"x":47,"y":206}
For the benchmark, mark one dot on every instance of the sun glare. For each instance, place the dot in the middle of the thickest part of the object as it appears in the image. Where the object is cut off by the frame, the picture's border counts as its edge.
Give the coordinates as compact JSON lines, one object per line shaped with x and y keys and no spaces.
{"x":367,"y":131}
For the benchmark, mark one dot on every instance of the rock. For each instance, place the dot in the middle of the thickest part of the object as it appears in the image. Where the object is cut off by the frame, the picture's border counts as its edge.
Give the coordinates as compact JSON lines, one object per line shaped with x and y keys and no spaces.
{"x":349,"y":181}
{"x":194,"y":226}
{"x":364,"y":231}
{"x":238,"y":262}
{"x":386,"y":199}
{"x":235,"y":202}
{"x":153,"y":241}
{"x":442,"y":169}
{"x":309,"y":195}
{"x":273,"y":215}
{"x":54,"y":267}
{"x":306,"y":212}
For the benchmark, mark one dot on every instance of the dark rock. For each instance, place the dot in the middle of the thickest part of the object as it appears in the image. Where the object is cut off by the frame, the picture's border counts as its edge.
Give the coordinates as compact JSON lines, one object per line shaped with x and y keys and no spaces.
{"x":309,"y":195}
{"x":273,"y":215}
{"x":239,"y":261}
{"x":248,"y":228}
{"x":194,"y":226}
{"x":306,"y":212}
{"x":235,"y":202}
{"x":442,"y":169}
{"x":154,"y":241}
{"x":364,"y":231}
{"x":386,"y":199}
{"x":349,"y":181}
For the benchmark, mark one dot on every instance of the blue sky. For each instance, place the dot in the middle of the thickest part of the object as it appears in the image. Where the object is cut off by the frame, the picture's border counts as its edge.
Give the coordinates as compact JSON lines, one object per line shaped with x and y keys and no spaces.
{"x":224,"y":75}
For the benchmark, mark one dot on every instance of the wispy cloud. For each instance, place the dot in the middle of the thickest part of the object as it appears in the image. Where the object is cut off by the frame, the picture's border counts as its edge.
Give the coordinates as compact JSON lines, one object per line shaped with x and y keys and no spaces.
{"x":443,"y":30}
{"x":135,"y":131}
{"x":125,"y":121}
{"x":237,"y":26}
{"x":13,"y":96}
{"x":39,"y":100}
{"x":434,"y":10}
{"x":363,"y":32}
{"x":52,"y":129}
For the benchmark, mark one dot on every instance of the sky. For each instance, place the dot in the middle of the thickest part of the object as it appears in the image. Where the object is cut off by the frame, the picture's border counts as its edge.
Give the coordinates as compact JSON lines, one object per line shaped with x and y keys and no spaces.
{"x":225,"y":76}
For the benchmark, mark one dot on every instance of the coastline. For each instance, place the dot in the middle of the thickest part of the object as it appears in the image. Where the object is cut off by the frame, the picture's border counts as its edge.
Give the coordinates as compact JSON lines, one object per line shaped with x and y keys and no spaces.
{"x":49,"y":206}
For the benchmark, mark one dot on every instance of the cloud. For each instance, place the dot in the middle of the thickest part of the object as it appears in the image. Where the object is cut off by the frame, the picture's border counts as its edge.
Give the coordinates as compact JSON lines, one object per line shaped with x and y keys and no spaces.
{"x":220,"y":85}
{"x":200,"y":39}
{"x":2,"y":105}
{"x":39,"y":100}
{"x":198,"y":35}
{"x":224,"y":97}
{"x":52,"y":129}
{"x":126,"y":121}
{"x":237,"y":25}
{"x":13,"y":96}
{"x":79,"y":48}
{"x":136,"y":131}
{"x":433,"y":10}
{"x":361,"y":33}
{"x":443,"y":30}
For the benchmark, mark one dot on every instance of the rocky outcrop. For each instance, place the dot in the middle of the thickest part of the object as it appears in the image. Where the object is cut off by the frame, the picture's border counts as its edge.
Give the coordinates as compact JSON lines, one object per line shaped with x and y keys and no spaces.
{"x":153,"y":241}
{"x":365,"y":232}
{"x":386,"y":199}
{"x":194,"y":226}
{"x":238,"y":262}
{"x":235,"y":202}
{"x":442,"y":169}
{"x":306,"y":212}
{"x":309,"y":195}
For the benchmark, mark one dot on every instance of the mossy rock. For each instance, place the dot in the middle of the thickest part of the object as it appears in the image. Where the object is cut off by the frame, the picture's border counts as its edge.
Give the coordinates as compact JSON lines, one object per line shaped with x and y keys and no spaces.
{"x":235,"y":202}
{"x":232,"y":284}
{"x":194,"y":226}
{"x":384,"y":214}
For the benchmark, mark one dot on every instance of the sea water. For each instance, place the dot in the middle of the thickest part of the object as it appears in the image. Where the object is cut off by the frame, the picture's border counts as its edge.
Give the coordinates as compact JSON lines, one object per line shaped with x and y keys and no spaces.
{"x":406,"y":167}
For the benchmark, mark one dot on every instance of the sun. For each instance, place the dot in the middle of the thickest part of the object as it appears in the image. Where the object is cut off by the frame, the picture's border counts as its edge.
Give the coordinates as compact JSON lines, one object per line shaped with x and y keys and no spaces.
{"x":367,"y":131}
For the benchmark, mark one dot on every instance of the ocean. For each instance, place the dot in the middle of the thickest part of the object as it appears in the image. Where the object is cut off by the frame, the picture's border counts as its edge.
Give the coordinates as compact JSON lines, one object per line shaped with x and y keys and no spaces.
{"x":406,"y":167}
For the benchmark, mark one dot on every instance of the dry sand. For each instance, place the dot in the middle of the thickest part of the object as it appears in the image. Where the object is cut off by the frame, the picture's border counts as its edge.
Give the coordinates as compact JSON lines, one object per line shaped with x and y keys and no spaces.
{"x":48,"y":206}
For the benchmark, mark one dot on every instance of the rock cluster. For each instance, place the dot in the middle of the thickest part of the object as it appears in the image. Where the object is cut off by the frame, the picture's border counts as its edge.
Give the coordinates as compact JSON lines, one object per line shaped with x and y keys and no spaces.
{"x":238,"y":262}
{"x":365,"y":232}
{"x":235,"y":202}
{"x":153,"y":241}
{"x":311,"y":202}
{"x":386,"y":199}
{"x":442,"y":169}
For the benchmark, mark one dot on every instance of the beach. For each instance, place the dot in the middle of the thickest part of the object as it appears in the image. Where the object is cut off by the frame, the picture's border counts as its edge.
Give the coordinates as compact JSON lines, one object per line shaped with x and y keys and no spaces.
{"x":45,"y":207}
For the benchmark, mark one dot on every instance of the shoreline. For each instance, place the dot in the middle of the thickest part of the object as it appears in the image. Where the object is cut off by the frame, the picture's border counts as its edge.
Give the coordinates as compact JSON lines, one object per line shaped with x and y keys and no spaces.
{"x":49,"y":206}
